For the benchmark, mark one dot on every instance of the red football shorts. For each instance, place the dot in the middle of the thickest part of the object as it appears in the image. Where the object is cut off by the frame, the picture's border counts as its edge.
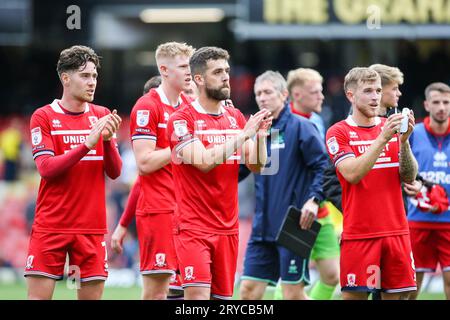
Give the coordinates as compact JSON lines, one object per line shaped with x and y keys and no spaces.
{"x":384,"y":263}
{"x":155,"y":235}
{"x":208,"y":260}
{"x":87,"y":256}
{"x":430,"y":247}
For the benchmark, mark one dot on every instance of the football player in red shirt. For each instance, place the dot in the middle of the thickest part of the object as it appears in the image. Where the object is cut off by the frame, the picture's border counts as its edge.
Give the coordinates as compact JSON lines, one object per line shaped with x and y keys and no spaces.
{"x":130,"y":208}
{"x":372,"y":160}
{"x":156,"y":201}
{"x":206,"y":139}
{"x":73,"y":147}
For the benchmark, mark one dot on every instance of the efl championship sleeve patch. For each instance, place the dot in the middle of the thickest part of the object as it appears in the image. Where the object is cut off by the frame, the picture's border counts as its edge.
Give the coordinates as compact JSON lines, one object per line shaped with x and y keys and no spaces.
{"x":36,"y":136}
{"x":333,"y":146}
{"x":180,"y":128}
{"x":142,"y":117}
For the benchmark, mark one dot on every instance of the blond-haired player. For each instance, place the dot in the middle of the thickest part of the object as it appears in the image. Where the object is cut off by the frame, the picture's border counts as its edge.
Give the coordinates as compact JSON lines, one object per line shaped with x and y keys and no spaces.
{"x":371,"y":160}
{"x":156,"y":202}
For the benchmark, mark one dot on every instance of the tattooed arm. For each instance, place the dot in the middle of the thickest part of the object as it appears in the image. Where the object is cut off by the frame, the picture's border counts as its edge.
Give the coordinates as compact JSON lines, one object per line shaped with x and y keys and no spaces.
{"x":408,"y":164}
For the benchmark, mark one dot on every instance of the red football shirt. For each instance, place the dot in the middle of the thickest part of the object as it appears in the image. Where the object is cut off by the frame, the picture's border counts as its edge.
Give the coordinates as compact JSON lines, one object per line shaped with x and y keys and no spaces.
{"x":206,"y":201}
{"x":374,"y":206}
{"x":73,"y":202}
{"x":149,"y":121}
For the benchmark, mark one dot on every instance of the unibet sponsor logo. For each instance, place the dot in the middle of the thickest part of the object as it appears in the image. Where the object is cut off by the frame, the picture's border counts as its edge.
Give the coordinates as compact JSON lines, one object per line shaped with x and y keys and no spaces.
{"x":218,"y":139}
{"x":74,"y":139}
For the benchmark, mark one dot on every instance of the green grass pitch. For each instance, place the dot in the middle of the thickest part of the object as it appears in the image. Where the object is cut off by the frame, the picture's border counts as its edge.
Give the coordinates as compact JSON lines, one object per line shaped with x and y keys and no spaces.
{"x":18,"y":292}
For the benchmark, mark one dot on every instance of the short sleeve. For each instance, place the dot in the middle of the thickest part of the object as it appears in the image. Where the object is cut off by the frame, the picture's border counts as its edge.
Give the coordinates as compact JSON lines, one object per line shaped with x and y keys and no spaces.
{"x":41,"y":139}
{"x":144,"y":120}
{"x":337,"y":144}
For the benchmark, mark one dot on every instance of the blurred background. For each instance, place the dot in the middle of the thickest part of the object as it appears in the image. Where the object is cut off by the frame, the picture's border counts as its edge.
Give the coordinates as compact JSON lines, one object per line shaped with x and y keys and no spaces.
{"x":330,"y":36}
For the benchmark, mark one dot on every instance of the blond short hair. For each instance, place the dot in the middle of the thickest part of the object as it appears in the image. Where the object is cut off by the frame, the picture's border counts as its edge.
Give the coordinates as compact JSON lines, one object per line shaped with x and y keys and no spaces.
{"x":359,"y":75}
{"x":300,"y":76}
{"x":388,"y":74}
{"x":173,"y":49}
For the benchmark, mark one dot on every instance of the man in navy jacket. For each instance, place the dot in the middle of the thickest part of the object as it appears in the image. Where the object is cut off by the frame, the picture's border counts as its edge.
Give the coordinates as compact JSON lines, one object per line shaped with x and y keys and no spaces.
{"x":294,"y":176}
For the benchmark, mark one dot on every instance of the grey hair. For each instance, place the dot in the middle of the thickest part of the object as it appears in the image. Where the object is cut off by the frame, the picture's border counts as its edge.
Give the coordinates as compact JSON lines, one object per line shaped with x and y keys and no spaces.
{"x":273,"y":77}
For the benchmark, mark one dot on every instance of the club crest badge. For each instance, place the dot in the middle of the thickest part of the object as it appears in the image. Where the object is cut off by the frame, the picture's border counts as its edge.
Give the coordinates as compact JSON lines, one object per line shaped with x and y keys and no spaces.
{"x":189,"y":273}
{"x":351,"y":280}
{"x":29,"y":264}
{"x":233,"y":122}
{"x":160,"y":260}
{"x":92,"y":120}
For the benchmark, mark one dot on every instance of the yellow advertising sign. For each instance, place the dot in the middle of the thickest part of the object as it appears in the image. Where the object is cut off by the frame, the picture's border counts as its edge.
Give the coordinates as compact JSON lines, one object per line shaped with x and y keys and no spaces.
{"x":315,"y":12}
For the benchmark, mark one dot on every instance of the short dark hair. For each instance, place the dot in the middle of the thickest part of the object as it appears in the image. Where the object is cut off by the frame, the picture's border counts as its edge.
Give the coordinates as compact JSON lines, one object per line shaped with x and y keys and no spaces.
{"x":151,"y":83}
{"x":201,"y":56}
{"x":75,"y":57}
{"x":436,"y":86}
